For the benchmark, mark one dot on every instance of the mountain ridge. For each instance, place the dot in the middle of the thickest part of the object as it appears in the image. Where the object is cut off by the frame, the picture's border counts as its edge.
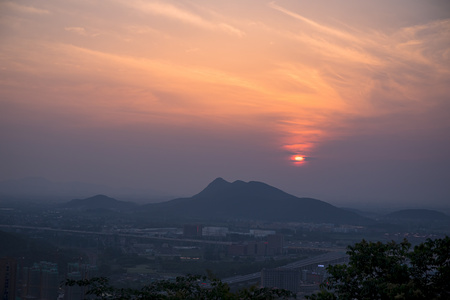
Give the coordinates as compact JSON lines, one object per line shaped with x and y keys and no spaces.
{"x":252,"y":200}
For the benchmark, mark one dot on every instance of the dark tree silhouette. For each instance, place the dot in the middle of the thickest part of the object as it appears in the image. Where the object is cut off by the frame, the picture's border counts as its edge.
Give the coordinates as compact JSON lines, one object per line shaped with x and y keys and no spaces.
{"x":190,"y":287}
{"x":391,"y":271}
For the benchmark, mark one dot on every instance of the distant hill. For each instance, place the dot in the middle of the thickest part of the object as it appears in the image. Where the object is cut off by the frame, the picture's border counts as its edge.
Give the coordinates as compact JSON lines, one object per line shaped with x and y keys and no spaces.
{"x":100,"y":202}
{"x":41,"y":189}
{"x":418,"y":220}
{"x":418,"y":215}
{"x":367,"y":214}
{"x":222,"y":200}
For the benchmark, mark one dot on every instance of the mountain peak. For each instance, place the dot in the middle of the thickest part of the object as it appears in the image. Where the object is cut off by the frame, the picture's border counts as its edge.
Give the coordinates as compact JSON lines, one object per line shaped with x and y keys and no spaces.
{"x":99,"y":202}
{"x":101,"y":197}
{"x":217,"y":185}
{"x":219,"y":182}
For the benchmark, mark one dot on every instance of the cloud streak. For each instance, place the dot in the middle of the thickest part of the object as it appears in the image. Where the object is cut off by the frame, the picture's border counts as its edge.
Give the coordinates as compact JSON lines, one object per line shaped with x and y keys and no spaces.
{"x":173,"y":12}
{"x":23,"y":9}
{"x":317,"y":26}
{"x":80,"y":31}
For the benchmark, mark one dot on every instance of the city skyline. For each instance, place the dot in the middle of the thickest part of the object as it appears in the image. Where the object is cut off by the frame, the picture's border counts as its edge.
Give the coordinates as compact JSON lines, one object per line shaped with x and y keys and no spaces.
{"x":344,"y":101}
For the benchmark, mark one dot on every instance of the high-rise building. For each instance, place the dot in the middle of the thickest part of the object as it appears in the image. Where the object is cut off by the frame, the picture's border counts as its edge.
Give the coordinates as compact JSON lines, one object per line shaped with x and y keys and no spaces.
{"x":86,"y":271}
{"x":74,"y":292}
{"x":78,"y":271}
{"x":41,"y":281}
{"x":257,"y":248}
{"x":275,"y":244}
{"x":287,"y":279}
{"x":8,"y":268}
{"x":192,"y":230}
{"x":49,"y":284}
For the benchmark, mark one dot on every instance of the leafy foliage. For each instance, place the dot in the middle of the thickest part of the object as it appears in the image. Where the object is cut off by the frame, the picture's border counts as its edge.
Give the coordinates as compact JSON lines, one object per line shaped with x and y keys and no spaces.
{"x":391,"y":271}
{"x":190,"y":287}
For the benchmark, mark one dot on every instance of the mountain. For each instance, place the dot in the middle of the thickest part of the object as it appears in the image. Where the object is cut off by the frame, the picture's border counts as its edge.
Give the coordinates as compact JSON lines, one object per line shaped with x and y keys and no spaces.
{"x":419,"y":219}
{"x":100,"y":202}
{"x":367,"y":214}
{"x":222,"y":200}
{"x":418,"y":215}
{"x":41,"y":189}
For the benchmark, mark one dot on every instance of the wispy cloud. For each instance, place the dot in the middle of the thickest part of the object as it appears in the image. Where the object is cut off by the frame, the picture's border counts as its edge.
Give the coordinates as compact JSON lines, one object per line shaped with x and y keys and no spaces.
{"x":81,"y":31}
{"x":231,"y":30}
{"x":173,"y":12}
{"x":170,"y":11}
{"x":427,"y":44}
{"x":24,"y":8}
{"x":315,"y":25}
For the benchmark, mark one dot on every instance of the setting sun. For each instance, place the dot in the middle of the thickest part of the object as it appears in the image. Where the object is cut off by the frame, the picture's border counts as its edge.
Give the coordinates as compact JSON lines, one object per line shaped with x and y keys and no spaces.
{"x":299,"y":158}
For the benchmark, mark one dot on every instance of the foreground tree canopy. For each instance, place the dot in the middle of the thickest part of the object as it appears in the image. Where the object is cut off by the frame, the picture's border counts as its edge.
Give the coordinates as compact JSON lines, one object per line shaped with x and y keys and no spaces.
{"x":183,"y":288}
{"x":391,"y":271}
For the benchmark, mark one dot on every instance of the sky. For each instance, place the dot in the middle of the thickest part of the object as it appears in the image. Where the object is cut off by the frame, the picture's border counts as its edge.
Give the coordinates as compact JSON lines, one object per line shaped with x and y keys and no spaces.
{"x":344,"y":101}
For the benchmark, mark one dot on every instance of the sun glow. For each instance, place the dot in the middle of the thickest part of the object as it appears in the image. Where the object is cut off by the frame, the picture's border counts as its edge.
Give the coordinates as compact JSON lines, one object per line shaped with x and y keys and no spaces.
{"x":298,"y":158}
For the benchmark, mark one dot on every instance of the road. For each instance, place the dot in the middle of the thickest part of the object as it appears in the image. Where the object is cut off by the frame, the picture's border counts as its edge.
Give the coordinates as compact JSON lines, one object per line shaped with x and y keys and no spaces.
{"x":117,"y":234}
{"x":320,"y":259}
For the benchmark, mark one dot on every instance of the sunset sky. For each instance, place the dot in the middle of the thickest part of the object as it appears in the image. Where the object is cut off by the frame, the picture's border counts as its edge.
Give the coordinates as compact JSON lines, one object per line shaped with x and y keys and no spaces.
{"x":169,"y":95}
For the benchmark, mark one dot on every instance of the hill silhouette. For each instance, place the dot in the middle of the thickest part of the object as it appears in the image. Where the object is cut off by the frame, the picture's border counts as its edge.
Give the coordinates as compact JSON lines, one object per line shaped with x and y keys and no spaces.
{"x":418,"y":215}
{"x":99,"y":202}
{"x":42,"y":190}
{"x":252,"y":201}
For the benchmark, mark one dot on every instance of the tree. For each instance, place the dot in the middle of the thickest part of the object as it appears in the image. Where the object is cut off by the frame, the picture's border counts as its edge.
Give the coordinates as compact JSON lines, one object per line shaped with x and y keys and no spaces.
{"x":189,"y":287}
{"x":391,"y":271}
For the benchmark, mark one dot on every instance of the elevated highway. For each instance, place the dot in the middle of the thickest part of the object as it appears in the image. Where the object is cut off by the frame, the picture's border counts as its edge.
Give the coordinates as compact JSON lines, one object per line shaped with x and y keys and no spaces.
{"x":324,"y":259}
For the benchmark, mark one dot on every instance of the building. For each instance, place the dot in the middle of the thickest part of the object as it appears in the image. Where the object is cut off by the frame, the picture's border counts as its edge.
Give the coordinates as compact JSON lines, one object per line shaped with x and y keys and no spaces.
{"x":8,"y":268}
{"x":192,"y":230}
{"x":215,"y":231}
{"x":261,"y":233}
{"x":275,"y":244}
{"x":237,"y":250}
{"x":49,"y":284}
{"x":74,"y":292}
{"x":257,"y":248}
{"x":77,"y":271}
{"x":41,"y":281}
{"x":287,"y":279}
